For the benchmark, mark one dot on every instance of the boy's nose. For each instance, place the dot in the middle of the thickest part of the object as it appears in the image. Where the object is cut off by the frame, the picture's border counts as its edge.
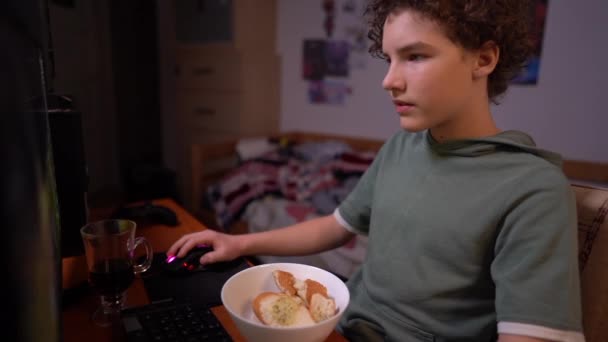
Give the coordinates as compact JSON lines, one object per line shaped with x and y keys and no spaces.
{"x":393,"y":81}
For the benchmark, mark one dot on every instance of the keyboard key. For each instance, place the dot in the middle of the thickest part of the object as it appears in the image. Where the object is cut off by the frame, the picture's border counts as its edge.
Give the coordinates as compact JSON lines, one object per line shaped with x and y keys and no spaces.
{"x":173,"y":322}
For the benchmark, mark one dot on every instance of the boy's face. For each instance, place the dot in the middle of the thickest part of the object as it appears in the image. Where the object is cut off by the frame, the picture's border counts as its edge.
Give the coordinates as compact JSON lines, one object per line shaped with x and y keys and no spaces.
{"x":430,"y":78}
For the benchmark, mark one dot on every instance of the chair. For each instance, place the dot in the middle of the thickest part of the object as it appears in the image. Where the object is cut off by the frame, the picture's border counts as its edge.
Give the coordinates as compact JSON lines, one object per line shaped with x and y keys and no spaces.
{"x":592,"y":211}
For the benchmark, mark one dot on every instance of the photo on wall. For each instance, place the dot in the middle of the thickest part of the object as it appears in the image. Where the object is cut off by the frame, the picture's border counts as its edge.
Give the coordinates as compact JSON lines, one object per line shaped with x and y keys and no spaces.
{"x":322,"y":58}
{"x":336,"y":58}
{"x":529,"y":76}
{"x":313,"y":59}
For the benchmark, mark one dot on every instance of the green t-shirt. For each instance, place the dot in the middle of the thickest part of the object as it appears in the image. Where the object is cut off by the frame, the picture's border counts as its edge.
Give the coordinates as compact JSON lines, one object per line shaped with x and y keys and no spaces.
{"x":462,"y":235}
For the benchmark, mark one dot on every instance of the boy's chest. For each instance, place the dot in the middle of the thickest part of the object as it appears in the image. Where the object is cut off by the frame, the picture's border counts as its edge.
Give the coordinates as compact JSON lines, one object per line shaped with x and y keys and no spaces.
{"x":443,"y":218}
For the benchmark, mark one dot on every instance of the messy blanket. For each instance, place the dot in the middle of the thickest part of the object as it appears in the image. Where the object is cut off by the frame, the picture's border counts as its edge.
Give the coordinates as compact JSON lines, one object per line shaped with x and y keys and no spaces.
{"x":318,"y":174}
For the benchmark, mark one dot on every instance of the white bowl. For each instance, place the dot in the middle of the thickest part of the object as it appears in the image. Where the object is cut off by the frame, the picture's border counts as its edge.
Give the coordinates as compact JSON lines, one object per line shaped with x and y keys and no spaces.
{"x":239,"y":291}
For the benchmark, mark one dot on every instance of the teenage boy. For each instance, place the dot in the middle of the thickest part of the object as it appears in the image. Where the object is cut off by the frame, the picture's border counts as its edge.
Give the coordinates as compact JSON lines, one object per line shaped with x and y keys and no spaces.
{"x":472,"y":231}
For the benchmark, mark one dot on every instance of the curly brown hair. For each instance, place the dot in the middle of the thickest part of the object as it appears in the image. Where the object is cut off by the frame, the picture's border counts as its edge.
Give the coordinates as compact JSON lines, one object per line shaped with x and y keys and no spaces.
{"x":469,"y":23}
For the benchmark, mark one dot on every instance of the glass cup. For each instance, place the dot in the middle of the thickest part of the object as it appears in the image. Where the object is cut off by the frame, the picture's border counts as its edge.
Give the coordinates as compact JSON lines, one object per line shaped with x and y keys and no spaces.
{"x":109,"y":249}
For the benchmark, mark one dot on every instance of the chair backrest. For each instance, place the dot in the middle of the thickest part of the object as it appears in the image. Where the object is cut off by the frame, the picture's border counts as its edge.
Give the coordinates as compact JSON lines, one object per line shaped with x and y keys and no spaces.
{"x":592,"y":207}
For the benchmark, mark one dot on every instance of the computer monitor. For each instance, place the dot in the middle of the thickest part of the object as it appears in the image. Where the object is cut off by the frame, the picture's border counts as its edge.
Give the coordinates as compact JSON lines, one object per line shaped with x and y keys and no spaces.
{"x":31,"y":284}
{"x":70,"y":171}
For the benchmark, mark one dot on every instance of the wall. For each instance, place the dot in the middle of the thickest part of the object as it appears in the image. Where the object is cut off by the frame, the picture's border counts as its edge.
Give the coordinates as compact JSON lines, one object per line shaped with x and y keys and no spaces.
{"x":166,"y":42}
{"x":81,"y":42}
{"x":563,"y":112}
{"x":134,"y":38}
{"x":106,"y":58}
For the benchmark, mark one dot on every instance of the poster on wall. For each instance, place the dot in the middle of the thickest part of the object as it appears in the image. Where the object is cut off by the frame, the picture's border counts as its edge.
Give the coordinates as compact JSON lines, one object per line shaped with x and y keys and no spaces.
{"x":322,"y":58}
{"x":332,"y":92}
{"x":529,"y":76}
{"x":328,"y":62}
{"x":313,"y":59}
{"x":336,"y":58}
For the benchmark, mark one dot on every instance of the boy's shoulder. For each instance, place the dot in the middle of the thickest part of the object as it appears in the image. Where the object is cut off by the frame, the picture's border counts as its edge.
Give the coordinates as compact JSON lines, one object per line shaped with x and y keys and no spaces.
{"x":402,"y":138}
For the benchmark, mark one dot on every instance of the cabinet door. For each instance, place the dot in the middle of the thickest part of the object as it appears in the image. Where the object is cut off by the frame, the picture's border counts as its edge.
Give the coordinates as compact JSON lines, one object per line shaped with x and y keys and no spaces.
{"x":209,"y":109}
{"x":203,"y":21}
{"x":254,"y":25}
{"x":210,"y":67}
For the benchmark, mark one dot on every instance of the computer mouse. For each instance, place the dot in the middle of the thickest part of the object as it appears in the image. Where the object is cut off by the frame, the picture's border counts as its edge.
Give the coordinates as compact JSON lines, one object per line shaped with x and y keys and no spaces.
{"x":189,"y":263}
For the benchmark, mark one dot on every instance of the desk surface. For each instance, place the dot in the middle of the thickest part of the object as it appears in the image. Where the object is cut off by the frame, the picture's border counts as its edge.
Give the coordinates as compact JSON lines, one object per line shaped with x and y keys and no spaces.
{"x":77,"y":325}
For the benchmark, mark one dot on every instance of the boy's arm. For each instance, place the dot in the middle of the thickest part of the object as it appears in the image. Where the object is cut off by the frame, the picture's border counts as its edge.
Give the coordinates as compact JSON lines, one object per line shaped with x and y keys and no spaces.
{"x":308,"y":237}
{"x":313,"y":236}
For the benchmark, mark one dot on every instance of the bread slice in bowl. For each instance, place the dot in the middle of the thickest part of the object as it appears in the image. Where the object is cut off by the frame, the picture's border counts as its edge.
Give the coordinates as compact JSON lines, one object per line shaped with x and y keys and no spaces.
{"x":281,"y":310}
{"x":285,"y":281}
{"x":313,"y":293}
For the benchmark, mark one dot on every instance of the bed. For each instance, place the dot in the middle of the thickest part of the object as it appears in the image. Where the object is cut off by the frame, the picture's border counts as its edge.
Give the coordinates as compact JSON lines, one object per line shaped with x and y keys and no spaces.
{"x":255,"y":184}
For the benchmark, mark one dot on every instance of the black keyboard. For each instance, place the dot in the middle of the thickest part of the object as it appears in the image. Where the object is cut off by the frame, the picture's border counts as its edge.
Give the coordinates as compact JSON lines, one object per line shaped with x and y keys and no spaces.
{"x":171,"y":321}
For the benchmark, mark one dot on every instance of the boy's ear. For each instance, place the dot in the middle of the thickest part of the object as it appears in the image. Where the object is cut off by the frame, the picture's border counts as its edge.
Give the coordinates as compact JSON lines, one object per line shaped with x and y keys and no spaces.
{"x":487,"y":58}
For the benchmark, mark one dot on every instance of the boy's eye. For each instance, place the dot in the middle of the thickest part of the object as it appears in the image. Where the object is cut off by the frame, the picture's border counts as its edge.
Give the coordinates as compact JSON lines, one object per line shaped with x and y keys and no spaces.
{"x":415,"y":57}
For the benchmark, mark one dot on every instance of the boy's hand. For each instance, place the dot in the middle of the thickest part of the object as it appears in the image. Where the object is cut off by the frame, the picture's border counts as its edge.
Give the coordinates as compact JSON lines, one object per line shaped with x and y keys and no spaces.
{"x":225,"y":247}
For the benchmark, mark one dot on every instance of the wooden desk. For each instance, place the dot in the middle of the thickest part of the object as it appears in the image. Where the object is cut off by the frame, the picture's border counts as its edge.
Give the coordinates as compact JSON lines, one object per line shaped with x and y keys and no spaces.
{"x":77,"y":325}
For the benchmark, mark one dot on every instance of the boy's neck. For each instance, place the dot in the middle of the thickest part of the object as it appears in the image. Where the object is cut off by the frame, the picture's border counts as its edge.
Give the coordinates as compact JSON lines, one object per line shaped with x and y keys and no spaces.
{"x":475,"y":122}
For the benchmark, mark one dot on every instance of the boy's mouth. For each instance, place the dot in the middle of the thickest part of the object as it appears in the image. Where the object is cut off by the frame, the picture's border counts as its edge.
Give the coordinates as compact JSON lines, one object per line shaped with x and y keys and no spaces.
{"x":403,"y":107}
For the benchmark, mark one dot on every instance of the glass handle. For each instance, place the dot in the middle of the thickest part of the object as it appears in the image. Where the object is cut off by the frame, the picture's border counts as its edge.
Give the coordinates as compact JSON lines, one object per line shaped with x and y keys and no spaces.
{"x":144,"y":266}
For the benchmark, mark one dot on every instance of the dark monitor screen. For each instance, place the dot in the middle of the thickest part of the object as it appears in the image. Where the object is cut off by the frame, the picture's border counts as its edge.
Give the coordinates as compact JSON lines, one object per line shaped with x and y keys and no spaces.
{"x":27,"y":208}
{"x":70,"y":173}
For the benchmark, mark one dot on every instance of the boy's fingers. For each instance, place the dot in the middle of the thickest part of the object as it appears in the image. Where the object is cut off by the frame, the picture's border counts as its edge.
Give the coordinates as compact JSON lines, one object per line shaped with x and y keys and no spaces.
{"x":210,"y":258}
{"x":176,"y":245}
{"x":189,"y":241}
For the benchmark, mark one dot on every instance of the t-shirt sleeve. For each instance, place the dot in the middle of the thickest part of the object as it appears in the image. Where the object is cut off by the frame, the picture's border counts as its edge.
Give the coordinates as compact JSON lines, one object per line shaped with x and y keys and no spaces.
{"x":357,"y":207}
{"x":535,"y":267}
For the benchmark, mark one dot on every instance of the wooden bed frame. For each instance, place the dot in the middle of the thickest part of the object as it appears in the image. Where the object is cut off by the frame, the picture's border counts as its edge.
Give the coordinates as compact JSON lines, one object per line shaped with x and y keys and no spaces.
{"x":213,"y":160}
